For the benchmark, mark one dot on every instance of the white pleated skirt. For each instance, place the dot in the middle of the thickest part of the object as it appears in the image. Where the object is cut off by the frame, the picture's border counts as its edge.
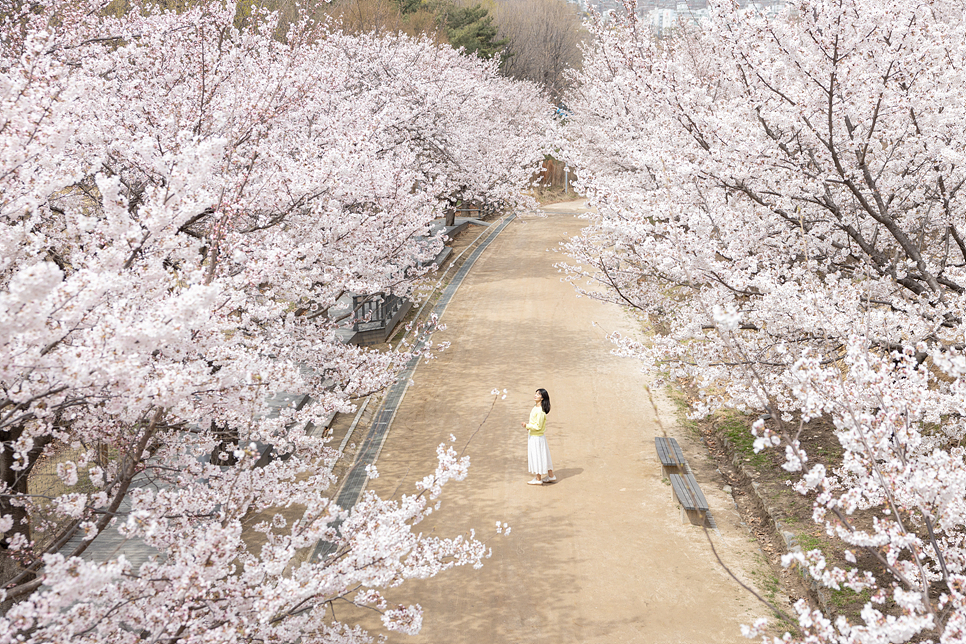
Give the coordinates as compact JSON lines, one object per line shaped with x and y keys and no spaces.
{"x":538,"y":455}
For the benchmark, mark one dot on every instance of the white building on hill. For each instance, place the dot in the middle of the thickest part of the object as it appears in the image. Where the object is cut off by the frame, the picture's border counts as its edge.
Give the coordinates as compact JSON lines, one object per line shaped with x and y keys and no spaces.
{"x":666,"y":15}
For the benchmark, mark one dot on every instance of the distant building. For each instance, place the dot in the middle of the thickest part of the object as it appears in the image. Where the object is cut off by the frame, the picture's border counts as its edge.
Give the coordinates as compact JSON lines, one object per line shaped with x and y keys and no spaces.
{"x":665,"y":15}
{"x":663,"y":20}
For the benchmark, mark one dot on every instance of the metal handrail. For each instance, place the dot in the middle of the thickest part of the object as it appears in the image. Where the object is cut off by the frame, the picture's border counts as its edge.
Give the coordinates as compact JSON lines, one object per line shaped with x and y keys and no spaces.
{"x":375,"y":308}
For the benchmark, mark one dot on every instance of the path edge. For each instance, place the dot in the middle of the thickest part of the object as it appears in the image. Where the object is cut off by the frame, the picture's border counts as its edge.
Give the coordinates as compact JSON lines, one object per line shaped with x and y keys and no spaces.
{"x":357,"y":477}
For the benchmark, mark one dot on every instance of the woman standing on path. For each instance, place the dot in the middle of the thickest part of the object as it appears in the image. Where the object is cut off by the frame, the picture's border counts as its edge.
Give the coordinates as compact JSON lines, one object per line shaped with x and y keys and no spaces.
{"x":538,"y":454}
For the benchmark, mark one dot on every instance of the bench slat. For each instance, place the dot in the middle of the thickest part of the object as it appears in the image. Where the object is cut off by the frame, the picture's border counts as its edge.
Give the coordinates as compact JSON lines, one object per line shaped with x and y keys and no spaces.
{"x":677,"y":451}
{"x":688,"y":492}
{"x":682,"y":492}
{"x":700,"y":502}
{"x":669,"y":451}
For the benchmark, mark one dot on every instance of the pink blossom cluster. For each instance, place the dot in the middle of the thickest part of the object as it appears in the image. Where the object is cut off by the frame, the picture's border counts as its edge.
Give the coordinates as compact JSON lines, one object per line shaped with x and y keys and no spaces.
{"x":782,"y":195}
{"x":182,"y":203}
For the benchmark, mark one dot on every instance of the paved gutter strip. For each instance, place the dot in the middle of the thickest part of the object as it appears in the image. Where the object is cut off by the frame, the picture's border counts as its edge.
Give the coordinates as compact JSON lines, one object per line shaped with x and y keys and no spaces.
{"x":355,"y":421}
{"x":356,"y":479}
{"x":450,"y":289}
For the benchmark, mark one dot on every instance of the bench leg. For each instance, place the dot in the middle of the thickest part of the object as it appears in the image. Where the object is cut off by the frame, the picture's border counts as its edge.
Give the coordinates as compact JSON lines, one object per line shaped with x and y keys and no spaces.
{"x":694,"y":517}
{"x":667,"y":470}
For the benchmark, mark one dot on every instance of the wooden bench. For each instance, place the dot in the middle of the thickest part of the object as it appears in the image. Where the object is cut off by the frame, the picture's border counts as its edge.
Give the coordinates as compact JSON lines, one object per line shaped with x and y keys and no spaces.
{"x":672,"y":458}
{"x":694,"y":507}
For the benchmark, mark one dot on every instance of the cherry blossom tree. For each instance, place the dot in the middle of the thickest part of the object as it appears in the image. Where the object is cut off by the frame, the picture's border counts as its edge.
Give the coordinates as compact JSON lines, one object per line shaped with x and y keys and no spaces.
{"x":782,"y":196}
{"x":182,"y":201}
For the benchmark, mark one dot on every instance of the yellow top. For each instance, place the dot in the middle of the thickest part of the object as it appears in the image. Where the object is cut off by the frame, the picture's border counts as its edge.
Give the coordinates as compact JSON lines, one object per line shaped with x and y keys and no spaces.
{"x":538,"y":421}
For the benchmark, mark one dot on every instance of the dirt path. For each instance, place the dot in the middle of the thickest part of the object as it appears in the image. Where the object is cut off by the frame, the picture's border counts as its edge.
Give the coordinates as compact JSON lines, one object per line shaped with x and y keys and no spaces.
{"x":601,"y":556}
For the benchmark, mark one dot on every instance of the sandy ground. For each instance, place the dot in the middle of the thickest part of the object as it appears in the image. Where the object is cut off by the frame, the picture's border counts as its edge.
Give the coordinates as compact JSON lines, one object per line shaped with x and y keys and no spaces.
{"x":602,"y":555}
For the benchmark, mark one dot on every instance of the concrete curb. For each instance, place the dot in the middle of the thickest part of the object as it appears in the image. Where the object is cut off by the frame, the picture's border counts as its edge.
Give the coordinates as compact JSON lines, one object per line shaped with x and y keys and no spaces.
{"x":789,"y":538}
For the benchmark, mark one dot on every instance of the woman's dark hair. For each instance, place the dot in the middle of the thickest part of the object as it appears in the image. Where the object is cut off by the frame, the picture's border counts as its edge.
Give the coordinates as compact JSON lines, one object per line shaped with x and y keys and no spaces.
{"x":545,"y":403}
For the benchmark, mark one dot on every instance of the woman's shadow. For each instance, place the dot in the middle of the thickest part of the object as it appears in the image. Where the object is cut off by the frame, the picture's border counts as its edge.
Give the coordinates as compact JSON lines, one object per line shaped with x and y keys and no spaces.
{"x":567,"y":472}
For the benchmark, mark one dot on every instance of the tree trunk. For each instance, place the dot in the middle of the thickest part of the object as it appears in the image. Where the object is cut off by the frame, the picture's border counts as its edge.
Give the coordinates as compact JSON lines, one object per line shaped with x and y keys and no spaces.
{"x":228,"y":443}
{"x":15,"y":481}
